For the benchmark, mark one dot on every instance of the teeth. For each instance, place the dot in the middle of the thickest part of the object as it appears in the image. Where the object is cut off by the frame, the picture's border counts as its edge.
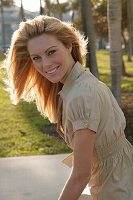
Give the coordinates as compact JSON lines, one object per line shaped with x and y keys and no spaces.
{"x":50,"y":72}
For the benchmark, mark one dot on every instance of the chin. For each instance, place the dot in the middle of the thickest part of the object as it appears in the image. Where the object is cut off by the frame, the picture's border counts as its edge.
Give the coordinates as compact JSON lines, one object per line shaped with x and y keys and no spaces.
{"x":54,"y":81}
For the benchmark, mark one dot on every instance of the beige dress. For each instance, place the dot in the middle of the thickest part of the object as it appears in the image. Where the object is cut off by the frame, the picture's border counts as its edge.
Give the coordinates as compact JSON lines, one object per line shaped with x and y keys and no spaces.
{"x":89,"y":103}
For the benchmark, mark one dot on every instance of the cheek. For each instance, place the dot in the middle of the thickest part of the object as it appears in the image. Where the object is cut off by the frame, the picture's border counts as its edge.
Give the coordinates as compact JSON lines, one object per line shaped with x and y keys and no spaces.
{"x":59,"y":57}
{"x":38,"y":67}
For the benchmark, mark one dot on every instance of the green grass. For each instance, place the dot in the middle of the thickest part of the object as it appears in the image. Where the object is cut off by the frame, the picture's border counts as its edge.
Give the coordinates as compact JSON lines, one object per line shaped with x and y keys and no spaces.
{"x":103,"y":62}
{"x":20,"y":125}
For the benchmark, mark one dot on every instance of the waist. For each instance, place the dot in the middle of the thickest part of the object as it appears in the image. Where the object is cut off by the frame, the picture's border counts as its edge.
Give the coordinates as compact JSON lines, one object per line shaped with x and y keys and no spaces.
{"x":103,"y":153}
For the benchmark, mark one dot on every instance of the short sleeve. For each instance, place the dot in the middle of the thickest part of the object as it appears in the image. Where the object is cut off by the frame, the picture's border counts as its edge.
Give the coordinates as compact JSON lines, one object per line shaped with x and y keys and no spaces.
{"x":84,"y":110}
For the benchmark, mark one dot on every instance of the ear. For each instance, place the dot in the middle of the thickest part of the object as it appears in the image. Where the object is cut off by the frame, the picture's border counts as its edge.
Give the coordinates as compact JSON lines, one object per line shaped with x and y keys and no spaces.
{"x":69,"y":47}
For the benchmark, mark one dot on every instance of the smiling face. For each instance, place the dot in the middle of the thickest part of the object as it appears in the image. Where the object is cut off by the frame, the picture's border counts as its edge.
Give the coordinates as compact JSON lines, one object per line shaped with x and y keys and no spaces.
{"x":51,"y":57}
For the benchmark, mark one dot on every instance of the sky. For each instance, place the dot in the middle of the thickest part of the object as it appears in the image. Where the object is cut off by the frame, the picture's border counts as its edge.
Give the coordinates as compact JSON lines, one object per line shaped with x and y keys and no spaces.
{"x":32,"y":5}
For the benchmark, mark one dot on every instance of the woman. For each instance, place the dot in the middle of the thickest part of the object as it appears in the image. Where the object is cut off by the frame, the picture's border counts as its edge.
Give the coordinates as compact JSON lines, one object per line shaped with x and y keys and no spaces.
{"x":45,"y":64}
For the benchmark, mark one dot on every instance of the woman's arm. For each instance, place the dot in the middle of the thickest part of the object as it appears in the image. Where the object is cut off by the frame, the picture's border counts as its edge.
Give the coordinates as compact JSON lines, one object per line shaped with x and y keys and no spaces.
{"x":80,"y":176}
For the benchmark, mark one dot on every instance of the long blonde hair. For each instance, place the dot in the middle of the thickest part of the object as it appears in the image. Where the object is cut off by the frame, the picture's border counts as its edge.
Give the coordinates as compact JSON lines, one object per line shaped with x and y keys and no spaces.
{"x":24,"y":80}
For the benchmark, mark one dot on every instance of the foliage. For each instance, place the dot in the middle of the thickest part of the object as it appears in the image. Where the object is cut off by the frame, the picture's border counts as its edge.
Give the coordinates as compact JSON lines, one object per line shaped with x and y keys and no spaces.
{"x":7,"y":3}
{"x":124,"y":15}
{"x":100,"y":17}
{"x":51,"y":8}
{"x":47,"y":6}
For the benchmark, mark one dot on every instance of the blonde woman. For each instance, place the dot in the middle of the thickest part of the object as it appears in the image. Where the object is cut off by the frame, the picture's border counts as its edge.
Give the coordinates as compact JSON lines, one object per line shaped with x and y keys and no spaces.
{"x":45,"y":64}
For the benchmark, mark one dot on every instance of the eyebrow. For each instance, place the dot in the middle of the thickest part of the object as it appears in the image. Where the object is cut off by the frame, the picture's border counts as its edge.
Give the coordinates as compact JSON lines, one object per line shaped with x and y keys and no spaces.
{"x":45,"y":50}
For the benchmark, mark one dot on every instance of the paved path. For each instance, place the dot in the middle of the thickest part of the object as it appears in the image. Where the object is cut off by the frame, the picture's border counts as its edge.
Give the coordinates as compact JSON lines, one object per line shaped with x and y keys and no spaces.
{"x":32,"y":177}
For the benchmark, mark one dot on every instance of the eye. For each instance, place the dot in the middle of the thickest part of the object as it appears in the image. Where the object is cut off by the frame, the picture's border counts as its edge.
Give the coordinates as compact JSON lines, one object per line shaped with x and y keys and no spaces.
{"x":51,"y":52}
{"x":36,"y":58}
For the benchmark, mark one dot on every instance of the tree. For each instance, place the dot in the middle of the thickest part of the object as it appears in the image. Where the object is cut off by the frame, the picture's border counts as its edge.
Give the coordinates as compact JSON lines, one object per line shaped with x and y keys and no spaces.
{"x":41,"y":8}
{"x":99,"y":12}
{"x":22,"y":11}
{"x":130,"y":28}
{"x":3,"y":25}
{"x":74,"y":7}
{"x":59,"y":9}
{"x":47,"y":7}
{"x":88,"y":29}
{"x":124,"y":23}
{"x":8,"y":3}
{"x":114,"y":24}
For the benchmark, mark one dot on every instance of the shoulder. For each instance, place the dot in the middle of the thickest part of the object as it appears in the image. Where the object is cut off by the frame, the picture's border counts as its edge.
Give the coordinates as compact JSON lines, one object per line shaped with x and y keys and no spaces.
{"x":84,"y":98}
{"x":83,"y":86}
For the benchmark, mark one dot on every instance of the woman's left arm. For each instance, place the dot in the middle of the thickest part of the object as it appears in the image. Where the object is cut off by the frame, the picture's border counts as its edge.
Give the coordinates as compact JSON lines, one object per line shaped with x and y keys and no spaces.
{"x":80,"y":176}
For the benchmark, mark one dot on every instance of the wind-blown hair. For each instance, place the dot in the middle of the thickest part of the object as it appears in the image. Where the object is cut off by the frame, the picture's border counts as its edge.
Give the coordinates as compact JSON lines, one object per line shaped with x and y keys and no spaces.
{"x":25,"y":81}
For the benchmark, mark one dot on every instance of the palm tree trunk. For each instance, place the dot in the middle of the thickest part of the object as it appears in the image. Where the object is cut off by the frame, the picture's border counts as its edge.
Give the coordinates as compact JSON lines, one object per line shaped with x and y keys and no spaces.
{"x":132,"y":24}
{"x":129,"y":13}
{"x":22,"y":11}
{"x":47,"y":7}
{"x":59,"y":10}
{"x":41,"y":8}
{"x":88,"y":29}
{"x":114,"y":24}
{"x":125,"y":41}
{"x":123,"y":69}
{"x":3,"y":26}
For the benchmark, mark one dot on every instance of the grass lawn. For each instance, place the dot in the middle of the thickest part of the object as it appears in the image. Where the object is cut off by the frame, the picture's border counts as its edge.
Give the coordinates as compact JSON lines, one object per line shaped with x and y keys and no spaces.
{"x":103,"y":62}
{"x":20,"y":125}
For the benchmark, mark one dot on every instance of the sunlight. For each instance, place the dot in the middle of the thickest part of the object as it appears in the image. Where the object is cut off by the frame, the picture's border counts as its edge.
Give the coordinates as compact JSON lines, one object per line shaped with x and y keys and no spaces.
{"x":32,"y":5}
{"x":86,"y":190}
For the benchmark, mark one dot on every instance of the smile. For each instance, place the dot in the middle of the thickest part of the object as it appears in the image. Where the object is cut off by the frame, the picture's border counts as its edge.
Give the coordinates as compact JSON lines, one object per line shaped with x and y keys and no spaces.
{"x":53,"y":71}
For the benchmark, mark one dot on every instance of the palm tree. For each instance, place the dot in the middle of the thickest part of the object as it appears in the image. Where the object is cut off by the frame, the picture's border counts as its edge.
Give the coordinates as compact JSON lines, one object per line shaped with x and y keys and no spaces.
{"x":59,"y":9}
{"x":114,"y":25}
{"x":22,"y":12}
{"x":88,"y":28}
{"x":47,"y":7}
{"x":41,"y":8}
{"x":74,"y":6}
{"x":130,"y":27}
{"x":3,"y":26}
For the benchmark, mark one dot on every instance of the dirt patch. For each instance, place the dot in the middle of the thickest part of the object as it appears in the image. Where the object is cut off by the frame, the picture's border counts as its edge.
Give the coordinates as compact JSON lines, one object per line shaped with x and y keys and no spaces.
{"x":127,"y":99}
{"x":127,"y":107}
{"x":50,"y":130}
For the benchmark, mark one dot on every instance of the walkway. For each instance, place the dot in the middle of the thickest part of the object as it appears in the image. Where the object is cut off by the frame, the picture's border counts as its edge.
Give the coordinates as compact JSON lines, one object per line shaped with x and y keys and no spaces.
{"x":32,"y":177}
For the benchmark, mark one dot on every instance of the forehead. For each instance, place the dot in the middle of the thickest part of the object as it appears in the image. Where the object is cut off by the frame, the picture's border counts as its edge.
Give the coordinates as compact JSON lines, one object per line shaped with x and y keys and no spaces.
{"x":43,"y":41}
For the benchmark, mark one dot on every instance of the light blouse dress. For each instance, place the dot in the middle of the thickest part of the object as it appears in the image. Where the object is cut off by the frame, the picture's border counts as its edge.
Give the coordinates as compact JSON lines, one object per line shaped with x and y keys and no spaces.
{"x":86,"y":102}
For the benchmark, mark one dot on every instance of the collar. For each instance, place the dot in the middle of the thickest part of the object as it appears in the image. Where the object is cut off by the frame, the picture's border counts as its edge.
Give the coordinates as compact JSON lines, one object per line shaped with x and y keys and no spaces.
{"x":73,"y":75}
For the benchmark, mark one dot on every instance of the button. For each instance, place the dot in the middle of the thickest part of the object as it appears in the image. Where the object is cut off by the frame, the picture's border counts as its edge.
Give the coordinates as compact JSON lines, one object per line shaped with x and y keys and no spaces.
{"x":86,"y":122}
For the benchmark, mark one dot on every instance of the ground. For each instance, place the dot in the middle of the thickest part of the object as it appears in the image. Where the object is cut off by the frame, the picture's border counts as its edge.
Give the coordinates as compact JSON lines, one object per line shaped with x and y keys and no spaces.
{"x":127,"y":107}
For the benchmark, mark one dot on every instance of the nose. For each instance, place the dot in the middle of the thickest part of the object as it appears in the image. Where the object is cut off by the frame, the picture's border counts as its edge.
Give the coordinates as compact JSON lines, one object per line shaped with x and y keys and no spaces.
{"x":46,"y":63}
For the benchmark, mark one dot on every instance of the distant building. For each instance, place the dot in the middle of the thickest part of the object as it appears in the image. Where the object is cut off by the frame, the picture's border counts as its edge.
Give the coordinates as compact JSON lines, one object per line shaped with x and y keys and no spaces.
{"x":11,"y":17}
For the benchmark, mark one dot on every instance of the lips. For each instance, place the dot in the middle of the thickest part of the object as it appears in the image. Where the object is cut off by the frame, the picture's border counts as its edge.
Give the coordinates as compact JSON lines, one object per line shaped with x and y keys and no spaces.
{"x":52,"y":71}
